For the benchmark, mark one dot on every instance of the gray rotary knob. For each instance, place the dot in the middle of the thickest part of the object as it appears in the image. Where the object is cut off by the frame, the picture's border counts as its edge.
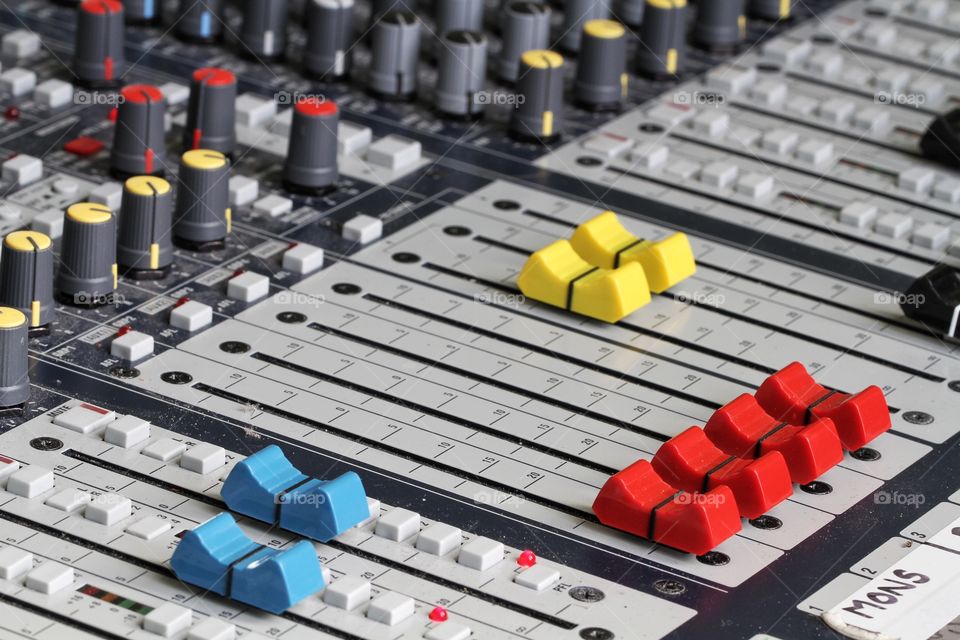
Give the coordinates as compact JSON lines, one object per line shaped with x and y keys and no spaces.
{"x":461,"y":74}
{"x":212,"y":112}
{"x":396,"y":49}
{"x":98,"y":59}
{"x":88,"y":263}
{"x":526,"y":26}
{"x":458,"y":15}
{"x":538,"y":113}
{"x":14,"y":364}
{"x":264,"y":31}
{"x":630,"y":12}
{"x":602,"y":80}
{"x":329,"y":39}
{"x":720,"y":25}
{"x":142,"y":12}
{"x":662,"y":50}
{"x":138,"y":138}
{"x":311,"y":164}
{"x":144,"y":244}
{"x":26,"y":276}
{"x":202,"y":216}
{"x":576,"y":13}
{"x":770,"y":9}
{"x":200,"y":21}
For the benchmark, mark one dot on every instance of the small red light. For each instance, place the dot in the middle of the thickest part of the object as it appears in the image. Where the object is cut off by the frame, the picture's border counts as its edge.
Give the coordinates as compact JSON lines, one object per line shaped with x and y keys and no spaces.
{"x":439,"y":614}
{"x":122,"y":331}
{"x":182,"y":301}
{"x":527,"y":559}
{"x":12,"y":113}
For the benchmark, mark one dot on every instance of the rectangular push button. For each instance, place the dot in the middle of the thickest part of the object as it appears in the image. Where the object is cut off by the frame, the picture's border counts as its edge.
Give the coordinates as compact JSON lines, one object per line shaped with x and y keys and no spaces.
{"x":84,"y":418}
{"x":538,"y":577}
{"x":481,"y":553}
{"x":398,"y":524}
{"x":127,"y":431}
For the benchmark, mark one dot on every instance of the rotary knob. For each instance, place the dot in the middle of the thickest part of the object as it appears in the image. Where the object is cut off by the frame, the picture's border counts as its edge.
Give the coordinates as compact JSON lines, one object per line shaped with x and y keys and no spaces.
{"x":142,"y":12}
{"x":538,"y":116}
{"x":88,"y":264}
{"x":14,"y":365}
{"x":138,"y":140}
{"x":144,"y":247}
{"x":770,"y":9}
{"x":461,"y":74}
{"x":264,"y":31}
{"x":662,"y":50}
{"x":576,"y":13}
{"x":98,"y":59}
{"x":396,"y":48}
{"x":380,"y":8}
{"x":602,"y":80}
{"x":329,"y":38}
{"x":212,"y":112}
{"x":720,"y":25}
{"x":311,"y":164}
{"x":203,"y":216}
{"x":526,"y":26}
{"x":26,"y":276}
{"x":200,"y":21}
{"x":458,"y":15}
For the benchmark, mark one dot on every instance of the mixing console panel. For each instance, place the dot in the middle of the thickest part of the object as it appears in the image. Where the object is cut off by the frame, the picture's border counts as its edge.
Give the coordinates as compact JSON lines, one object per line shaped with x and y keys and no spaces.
{"x":468,"y":319}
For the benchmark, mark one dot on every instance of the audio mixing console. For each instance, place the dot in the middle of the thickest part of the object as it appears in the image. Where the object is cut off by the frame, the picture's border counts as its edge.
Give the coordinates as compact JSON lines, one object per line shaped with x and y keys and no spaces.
{"x":480,"y":319}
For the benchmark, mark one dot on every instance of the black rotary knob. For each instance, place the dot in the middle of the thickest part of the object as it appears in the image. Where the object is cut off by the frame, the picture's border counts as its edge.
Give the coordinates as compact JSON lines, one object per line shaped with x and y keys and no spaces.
{"x":458,"y":15}
{"x":311,"y":164}
{"x":770,"y":9}
{"x":26,"y":276}
{"x":329,"y":38}
{"x":212,"y":112}
{"x":461,"y":74}
{"x":526,"y":26}
{"x":264,"y":31}
{"x":138,"y":138}
{"x":577,"y":13}
{"x":142,"y":12}
{"x":98,"y":59}
{"x":202,"y":216}
{"x":14,"y":365}
{"x":396,"y":49}
{"x":602,"y":80}
{"x":662,"y":50}
{"x":538,"y":115}
{"x":88,"y":263}
{"x":720,"y":25}
{"x":144,"y":244}
{"x":200,"y":21}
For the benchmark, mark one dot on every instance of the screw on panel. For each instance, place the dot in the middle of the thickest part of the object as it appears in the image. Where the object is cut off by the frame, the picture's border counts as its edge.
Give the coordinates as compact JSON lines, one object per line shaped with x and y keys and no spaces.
{"x":346,"y":289}
{"x":176,"y":377}
{"x":766,"y":522}
{"x":506,"y":205}
{"x":456,"y":230}
{"x":405,"y":257}
{"x":596,"y":633}
{"x":669,"y":587}
{"x":587,"y":594}
{"x":865,"y":454}
{"x":714,"y":558}
{"x":589,"y":161}
{"x":816,"y":488}
{"x":124,"y":372}
{"x":46,"y":443}
{"x":917,"y":417}
{"x":291,"y":317}
{"x":234,"y":346}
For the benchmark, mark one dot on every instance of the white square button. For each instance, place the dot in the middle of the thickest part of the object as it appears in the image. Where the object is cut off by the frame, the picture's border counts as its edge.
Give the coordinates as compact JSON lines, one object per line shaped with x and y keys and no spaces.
{"x":363,"y":229}
{"x":191,"y":316}
{"x":149,"y":528}
{"x":248,"y":286}
{"x":164,"y":449}
{"x":108,"y":509}
{"x":14,"y":562}
{"x":84,"y":418}
{"x":303,"y":258}
{"x":347,"y":592}
{"x":398,"y":524}
{"x":29,"y":482}
{"x":243,"y":190}
{"x":132,"y":346}
{"x":390,"y":608}
{"x":448,"y":631}
{"x":439,"y":539}
{"x":538,"y":577}
{"x":167,"y":620}
{"x":68,"y":500}
{"x":212,"y":629}
{"x":49,"y":577}
{"x":203,"y":458}
{"x":481,"y":553}
{"x":127,"y":431}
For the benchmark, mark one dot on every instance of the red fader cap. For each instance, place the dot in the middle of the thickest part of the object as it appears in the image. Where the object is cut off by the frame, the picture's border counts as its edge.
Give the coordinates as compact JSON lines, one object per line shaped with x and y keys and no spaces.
{"x":793,"y":396}
{"x":691,"y":462}
{"x":742,"y":428}
{"x":638,"y":501}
